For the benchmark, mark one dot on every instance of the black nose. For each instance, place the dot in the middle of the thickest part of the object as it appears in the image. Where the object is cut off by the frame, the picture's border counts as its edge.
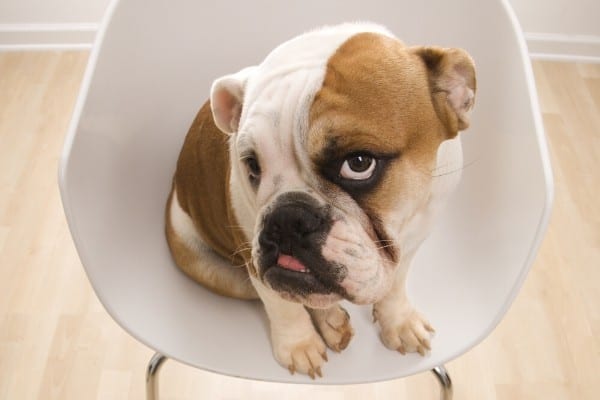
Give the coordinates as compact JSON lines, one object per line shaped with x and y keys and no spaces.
{"x":296,"y":224}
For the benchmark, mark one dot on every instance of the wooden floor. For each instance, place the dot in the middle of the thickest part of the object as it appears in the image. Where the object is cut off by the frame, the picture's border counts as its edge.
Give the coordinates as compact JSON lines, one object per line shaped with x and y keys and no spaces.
{"x":57,"y":342}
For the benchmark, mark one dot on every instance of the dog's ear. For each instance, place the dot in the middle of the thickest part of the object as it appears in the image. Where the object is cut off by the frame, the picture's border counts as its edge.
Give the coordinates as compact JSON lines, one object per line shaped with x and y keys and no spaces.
{"x":452,"y":84}
{"x":227,"y":98}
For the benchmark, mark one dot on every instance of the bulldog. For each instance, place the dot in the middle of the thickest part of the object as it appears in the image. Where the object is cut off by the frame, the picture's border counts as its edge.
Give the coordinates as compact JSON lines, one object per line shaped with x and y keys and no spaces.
{"x":315,"y":176}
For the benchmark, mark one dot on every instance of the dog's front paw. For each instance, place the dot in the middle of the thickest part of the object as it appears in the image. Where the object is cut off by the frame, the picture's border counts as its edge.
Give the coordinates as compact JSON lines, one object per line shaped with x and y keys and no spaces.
{"x":407,"y":332}
{"x":334,"y":326}
{"x":303,"y":355}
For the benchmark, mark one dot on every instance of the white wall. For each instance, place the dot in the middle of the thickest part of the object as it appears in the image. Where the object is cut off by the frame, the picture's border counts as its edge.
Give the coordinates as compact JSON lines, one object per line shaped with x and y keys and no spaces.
{"x":554,"y":28}
{"x":49,"y":23}
{"x":567,"y":29}
{"x":51,"y":11}
{"x":564,"y":17}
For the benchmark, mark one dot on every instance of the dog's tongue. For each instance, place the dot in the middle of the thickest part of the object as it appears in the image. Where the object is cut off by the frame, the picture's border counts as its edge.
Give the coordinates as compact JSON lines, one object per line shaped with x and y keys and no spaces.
{"x":289,"y":262}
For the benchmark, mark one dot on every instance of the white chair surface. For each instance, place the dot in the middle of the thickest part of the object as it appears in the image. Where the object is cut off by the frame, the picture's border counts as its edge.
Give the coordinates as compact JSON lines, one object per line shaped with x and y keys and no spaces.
{"x":151,"y":70}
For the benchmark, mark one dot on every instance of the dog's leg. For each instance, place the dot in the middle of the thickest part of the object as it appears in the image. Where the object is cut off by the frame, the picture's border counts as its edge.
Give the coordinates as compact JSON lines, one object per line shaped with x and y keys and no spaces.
{"x":402,"y":327}
{"x":333,"y":324}
{"x":296,"y":344}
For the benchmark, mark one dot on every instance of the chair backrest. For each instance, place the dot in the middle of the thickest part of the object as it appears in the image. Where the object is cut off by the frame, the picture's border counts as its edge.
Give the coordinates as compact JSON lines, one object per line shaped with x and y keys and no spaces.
{"x":149,"y":72}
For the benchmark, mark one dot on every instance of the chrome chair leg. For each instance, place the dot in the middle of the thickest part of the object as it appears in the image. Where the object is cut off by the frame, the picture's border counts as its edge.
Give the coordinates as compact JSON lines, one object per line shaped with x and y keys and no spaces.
{"x":445,"y":382}
{"x":158,"y":360}
{"x":152,"y":376}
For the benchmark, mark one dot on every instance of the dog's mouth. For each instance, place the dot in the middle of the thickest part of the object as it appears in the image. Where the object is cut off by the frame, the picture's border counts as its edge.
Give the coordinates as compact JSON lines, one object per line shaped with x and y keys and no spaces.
{"x":291,"y":276}
{"x":291,"y":264}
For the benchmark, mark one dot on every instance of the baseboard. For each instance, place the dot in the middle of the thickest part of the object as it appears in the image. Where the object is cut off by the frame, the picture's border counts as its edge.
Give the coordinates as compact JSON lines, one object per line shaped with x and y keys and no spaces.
{"x":574,"y":48}
{"x":80,"y":36}
{"x":70,"y":36}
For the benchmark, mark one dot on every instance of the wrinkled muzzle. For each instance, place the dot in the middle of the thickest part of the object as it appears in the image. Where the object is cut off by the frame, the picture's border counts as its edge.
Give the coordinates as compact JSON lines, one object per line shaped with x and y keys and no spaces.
{"x":293,"y":232}
{"x":308,"y":254}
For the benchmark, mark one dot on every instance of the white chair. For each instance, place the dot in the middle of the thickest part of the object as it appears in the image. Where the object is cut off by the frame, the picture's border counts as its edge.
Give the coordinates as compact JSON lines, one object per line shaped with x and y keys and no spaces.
{"x":149,"y":72}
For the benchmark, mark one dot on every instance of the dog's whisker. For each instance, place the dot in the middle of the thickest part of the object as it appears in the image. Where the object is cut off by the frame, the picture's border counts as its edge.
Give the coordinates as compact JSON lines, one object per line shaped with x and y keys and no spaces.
{"x":386,"y":243}
{"x":240,"y":227}
{"x":438,"y":167}
{"x":454,"y":171}
{"x":244,"y":246}
{"x":244,"y":265}
{"x":241,"y":250}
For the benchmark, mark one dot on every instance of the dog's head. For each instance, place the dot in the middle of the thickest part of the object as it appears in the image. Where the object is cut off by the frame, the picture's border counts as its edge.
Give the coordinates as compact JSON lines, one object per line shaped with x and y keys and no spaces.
{"x":333,"y":140}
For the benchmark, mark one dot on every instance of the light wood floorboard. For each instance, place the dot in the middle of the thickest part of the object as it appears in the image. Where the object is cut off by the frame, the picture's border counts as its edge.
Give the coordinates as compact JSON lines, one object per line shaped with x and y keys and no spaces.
{"x":57,"y":342}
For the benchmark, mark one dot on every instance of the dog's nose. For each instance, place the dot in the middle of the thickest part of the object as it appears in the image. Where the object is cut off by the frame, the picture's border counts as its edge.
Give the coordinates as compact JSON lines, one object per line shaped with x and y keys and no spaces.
{"x":296,"y":221}
{"x":293,"y":221}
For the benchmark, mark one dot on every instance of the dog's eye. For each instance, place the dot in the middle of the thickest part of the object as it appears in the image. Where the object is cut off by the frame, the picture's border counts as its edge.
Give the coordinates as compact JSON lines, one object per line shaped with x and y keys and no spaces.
{"x":358,"y":167}
{"x":253,"y":168}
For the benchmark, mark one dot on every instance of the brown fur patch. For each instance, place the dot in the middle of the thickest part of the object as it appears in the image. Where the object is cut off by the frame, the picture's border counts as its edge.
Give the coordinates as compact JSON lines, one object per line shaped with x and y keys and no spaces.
{"x":202,"y":184}
{"x":376,"y":97}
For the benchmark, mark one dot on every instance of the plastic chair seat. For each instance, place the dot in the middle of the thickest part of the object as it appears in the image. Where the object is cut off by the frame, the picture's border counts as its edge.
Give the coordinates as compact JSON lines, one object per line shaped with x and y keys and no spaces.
{"x":151,"y":70}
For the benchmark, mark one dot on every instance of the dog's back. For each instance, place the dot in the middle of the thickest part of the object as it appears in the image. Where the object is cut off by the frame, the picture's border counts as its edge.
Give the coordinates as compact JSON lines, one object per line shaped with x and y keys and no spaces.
{"x":201,"y":229}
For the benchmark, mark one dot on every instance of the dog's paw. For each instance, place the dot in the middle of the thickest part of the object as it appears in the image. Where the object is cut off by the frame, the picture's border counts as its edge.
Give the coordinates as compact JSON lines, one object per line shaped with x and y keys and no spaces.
{"x":405,"y":332}
{"x":334,"y":326}
{"x":305,"y":356}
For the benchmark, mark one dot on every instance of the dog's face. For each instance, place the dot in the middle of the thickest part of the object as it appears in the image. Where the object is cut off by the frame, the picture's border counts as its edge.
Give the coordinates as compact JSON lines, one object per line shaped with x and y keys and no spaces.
{"x":333,"y":140}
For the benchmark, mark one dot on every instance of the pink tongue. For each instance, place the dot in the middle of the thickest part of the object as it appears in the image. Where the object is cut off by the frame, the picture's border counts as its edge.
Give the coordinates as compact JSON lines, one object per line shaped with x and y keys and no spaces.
{"x":289,"y":262}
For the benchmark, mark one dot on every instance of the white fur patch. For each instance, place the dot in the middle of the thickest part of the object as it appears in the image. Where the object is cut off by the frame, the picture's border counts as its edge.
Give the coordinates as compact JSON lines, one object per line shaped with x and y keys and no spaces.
{"x":368,"y":277}
{"x":184,"y":227}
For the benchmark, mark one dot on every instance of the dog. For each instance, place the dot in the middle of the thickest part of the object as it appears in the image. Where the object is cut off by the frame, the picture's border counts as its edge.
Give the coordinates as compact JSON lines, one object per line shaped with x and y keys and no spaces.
{"x":314,"y":177}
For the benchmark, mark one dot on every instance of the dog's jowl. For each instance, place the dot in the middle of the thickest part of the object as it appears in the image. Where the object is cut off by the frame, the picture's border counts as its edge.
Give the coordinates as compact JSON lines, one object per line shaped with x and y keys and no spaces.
{"x":314,"y":177}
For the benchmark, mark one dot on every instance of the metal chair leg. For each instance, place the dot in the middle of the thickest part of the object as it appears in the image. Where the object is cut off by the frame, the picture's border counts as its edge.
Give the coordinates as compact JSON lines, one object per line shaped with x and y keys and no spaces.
{"x":152,"y":376}
{"x":445,"y":382}
{"x":158,"y":360}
